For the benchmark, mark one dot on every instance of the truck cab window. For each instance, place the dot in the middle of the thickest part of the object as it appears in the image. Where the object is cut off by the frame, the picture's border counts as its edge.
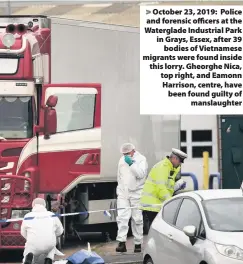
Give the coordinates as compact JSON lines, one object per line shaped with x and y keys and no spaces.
{"x":8,"y":66}
{"x":75,"y":111}
{"x":16,"y":117}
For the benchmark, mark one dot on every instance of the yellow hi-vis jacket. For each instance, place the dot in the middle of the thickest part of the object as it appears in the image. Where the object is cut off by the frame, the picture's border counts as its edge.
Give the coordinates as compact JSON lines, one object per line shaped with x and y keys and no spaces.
{"x":159,"y":185}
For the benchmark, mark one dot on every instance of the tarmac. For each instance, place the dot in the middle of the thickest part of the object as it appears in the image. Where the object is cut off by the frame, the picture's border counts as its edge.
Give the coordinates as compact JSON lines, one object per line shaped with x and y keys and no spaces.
{"x":108,"y":252}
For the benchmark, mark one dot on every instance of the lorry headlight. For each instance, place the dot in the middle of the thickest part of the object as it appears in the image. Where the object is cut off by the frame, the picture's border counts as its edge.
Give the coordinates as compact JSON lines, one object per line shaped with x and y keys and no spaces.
{"x":27,"y":183}
{"x":230,"y":251}
{"x":19,"y":213}
{"x":4,"y":211}
{"x":5,"y":199}
{"x":27,"y":174}
{"x":8,"y":40}
{"x":6,"y":187}
{"x":16,"y":226}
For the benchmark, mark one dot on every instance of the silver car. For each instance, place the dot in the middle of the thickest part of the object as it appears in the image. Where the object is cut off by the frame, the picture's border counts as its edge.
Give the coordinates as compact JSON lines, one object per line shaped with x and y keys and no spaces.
{"x":198,"y":227}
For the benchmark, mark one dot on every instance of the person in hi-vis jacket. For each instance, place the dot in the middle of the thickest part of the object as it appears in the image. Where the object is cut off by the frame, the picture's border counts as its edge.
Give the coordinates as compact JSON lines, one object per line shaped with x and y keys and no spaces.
{"x":162,"y":183}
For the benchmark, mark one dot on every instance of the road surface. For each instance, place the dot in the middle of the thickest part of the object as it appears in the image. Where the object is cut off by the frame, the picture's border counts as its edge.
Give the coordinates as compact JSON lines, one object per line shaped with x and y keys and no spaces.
{"x":105,"y":249}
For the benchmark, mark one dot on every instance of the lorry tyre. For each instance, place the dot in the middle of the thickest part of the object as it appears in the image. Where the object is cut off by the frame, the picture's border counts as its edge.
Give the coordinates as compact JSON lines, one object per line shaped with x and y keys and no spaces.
{"x":111,"y":233}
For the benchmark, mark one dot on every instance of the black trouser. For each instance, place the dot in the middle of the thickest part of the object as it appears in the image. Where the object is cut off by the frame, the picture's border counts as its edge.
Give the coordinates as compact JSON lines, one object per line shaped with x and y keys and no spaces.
{"x":151,"y":215}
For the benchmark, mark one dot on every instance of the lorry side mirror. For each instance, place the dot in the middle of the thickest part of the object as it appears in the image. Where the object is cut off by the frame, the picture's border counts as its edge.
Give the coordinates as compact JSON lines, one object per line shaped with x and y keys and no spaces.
{"x":52,"y":101}
{"x":50,"y":117}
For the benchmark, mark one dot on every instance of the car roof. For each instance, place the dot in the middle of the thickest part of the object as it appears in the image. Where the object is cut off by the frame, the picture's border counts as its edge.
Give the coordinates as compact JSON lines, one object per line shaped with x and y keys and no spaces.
{"x":214,"y":194}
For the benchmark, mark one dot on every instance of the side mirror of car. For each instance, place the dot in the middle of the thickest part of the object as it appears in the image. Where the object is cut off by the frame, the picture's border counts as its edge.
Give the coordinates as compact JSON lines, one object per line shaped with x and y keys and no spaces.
{"x":191,"y":232}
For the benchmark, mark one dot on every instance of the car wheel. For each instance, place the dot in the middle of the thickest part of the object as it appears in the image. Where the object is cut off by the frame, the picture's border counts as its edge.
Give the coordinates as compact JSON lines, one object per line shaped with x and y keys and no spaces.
{"x":148,"y":261}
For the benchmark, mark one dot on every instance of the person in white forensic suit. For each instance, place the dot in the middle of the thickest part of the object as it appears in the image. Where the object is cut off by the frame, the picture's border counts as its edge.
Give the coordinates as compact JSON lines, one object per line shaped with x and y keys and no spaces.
{"x":40,"y":234}
{"x":131,"y":176}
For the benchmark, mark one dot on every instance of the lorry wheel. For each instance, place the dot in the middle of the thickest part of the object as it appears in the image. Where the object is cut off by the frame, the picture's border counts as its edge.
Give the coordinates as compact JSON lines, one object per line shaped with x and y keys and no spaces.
{"x":111,"y":232}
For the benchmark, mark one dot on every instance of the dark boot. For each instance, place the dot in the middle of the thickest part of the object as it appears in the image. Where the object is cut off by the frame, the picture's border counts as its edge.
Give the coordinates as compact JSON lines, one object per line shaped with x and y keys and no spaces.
{"x":137,"y":249}
{"x":29,"y":258}
{"x":121,"y":247}
{"x":48,"y":261}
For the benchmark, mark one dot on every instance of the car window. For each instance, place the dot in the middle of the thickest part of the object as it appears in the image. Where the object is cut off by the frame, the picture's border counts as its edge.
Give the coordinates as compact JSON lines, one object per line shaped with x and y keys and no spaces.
{"x":188,"y":215}
{"x":224,"y":214}
{"x":169,"y":211}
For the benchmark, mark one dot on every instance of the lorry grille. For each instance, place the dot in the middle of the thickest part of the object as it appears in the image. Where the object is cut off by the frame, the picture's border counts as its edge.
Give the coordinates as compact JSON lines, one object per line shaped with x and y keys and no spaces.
{"x":12,"y":240}
{"x":13,"y":196}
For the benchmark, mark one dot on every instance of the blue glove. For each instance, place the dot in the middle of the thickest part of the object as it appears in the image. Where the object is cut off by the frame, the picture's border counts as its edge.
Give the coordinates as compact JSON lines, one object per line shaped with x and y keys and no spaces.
{"x":128,"y":160}
{"x":179,"y":185}
{"x":183,"y":186}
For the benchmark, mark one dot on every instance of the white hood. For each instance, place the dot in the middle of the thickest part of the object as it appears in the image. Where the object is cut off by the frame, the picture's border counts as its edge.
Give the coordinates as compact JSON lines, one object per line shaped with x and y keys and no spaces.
{"x":227,"y":238}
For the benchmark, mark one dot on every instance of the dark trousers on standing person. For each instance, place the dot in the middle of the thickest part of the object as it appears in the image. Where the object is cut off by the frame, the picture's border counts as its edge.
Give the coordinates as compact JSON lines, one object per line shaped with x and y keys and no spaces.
{"x":150,"y":215}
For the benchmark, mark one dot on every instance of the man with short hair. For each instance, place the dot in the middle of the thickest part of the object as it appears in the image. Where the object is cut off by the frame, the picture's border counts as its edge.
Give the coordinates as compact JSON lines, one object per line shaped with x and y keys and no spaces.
{"x":163,"y":180}
{"x":131,"y":176}
{"x":40,"y":233}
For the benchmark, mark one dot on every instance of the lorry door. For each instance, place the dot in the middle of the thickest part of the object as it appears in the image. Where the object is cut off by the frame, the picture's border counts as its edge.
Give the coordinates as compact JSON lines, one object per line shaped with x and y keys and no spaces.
{"x":232,"y":151}
{"x":74,"y":151}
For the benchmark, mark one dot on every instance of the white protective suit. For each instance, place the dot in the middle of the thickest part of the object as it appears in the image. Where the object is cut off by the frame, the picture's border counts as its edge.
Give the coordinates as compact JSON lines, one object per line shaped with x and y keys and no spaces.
{"x":41,"y":234}
{"x":130,"y":184}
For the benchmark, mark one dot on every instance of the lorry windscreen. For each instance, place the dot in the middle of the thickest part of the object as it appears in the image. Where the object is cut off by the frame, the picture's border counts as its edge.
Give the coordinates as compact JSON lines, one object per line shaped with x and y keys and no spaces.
{"x":8,"y":65}
{"x":16,"y":117}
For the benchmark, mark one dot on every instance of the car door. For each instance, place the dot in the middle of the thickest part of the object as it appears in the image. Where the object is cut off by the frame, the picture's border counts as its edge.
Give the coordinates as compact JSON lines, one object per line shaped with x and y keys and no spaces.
{"x":163,"y":225}
{"x":74,"y":150}
{"x":188,"y":214}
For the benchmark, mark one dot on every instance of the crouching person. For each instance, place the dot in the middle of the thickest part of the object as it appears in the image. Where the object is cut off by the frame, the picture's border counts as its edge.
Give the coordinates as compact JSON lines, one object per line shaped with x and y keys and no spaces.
{"x":40,"y":233}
